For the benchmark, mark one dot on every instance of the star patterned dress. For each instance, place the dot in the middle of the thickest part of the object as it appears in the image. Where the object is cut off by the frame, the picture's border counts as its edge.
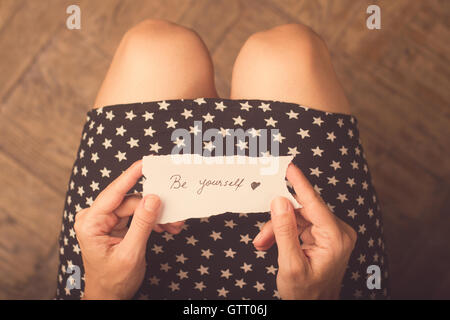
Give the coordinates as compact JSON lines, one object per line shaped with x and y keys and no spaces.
{"x":214,"y":258}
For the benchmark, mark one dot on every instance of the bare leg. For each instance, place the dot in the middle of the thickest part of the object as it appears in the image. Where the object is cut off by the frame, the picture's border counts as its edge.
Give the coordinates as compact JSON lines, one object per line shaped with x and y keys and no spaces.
{"x":158,"y":60}
{"x":288,"y":63}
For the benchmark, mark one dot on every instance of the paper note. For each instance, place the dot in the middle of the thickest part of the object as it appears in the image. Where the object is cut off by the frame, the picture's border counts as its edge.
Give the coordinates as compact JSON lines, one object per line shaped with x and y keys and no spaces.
{"x":193,"y":186}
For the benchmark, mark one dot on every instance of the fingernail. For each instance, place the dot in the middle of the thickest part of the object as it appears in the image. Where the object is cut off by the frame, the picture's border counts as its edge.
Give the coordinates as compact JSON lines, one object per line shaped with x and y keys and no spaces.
{"x":280,"y":206}
{"x":258,"y":236}
{"x":151,"y":203}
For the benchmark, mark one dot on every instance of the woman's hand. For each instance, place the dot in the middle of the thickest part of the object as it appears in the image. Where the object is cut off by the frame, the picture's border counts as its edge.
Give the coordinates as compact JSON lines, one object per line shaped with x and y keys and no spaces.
{"x":314,"y":268}
{"x":114,"y":255}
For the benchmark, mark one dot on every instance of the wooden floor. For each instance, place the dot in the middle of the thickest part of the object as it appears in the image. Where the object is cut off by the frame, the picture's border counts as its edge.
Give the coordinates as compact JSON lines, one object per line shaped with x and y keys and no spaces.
{"x":397,"y":79}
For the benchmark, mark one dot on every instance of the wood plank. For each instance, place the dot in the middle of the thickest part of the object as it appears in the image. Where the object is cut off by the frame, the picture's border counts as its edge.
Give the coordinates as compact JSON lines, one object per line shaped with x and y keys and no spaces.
{"x":8,"y":8}
{"x":105,"y":22}
{"x":49,"y":108}
{"x":211,"y":19}
{"x":20,"y":41}
{"x":30,"y":219}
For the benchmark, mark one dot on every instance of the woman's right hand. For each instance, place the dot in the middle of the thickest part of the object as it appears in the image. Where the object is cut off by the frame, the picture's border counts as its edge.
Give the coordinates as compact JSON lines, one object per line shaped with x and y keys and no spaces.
{"x":315,"y":268}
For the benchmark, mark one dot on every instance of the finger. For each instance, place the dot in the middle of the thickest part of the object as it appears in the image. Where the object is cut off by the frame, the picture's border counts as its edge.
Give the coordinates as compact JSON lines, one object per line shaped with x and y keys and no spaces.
{"x":174,"y":227}
{"x":266,"y":238}
{"x":158,"y":228}
{"x":314,"y":210}
{"x":111,"y":197}
{"x":144,"y":220}
{"x":285,"y":229}
{"x":127,"y":207}
{"x":99,"y":225}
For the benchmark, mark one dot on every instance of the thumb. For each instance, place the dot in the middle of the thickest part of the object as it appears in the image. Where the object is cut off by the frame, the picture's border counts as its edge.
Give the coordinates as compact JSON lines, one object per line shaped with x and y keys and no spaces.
{"x":285,"y":228}
{"x":144,"y":219}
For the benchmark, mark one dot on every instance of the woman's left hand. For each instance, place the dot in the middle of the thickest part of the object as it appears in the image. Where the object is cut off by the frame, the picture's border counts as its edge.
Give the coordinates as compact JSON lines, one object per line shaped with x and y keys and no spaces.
{"x":114,"y":255}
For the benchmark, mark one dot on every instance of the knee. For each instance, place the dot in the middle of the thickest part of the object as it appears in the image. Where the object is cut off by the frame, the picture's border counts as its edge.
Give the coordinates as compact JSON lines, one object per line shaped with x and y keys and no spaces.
{"x":286,"y":44}
{"x":154,"y":36}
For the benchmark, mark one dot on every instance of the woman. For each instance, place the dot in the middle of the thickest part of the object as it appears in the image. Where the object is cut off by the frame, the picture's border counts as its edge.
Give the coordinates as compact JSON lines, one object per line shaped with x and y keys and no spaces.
{"x":161,"y":77}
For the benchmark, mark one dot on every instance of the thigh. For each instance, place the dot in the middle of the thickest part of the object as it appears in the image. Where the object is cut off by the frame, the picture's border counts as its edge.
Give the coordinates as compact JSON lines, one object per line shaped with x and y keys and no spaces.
{"x":288,"y":63}
{"x":158,"y":60}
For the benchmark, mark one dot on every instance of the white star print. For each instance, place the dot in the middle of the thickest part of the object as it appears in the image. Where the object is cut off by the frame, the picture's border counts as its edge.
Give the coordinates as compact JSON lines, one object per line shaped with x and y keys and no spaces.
{"x":292,"y":114}
{"x":215,"y":235}
{"x":239,"y":121}
{"x":265,"y":107}
{"x":246,"y":239}
{"x":315,"y":172}
{"x":207,"y":253}
{"x":224,"y":132}
{"x":180,"y":258}
{"x":157,"y":249}
{"x":246,"y":267}
{"x":133,"y":142}
{"x":208,"y":118}
{"x":121,"y":156}
{"x":222,"y":292}
{"x":187,"y":114}
{"x":271,"y":269}
{"x":254,"y":132}
{"x":149,"y":132}
{"x":100,"y":129}
{"x":199,"y":285}
{"x":109,"y":115}
{"x":163,"y":105}
{"x":94,"y":157}
{"x":154,"y":281}
{"x":335,"y":165}
{"x":179,"y":142}
{"x":318,"y":121}
{"x":191,"y":240}
{"x":259,"y":286}
{"x":317,"y":151}
{"x":260,"y":254}
{"x":220,"y":106}
{"x":240,"y":283}
{"x":120,"y":131}
{"x":343,"y":150}
{"x":148,"y":115}
{"x":130,"y":115}
{"x":303,"y":133}
{"x":226,"y":273}
{"x":182,"y":274}
{"x":208,"y":145}
{"x":245,"y":106}
{"x":174,"y":286}
{"x":155,"y":147}
{"x":165,"y":267}
{"x":203,"y":270}
{"x":331,"y":136}
{"x":270,"y":122}
{"x":167,"y":236}
{"x":230,"y":224}
{"x":278,"y":137}
{"x":242,"y":144}
{"x":107,"y":143}
{"x":94,"y":186}
{"x":352,"y":213}
{"x":332,"y":180}
{"x":229,"y":253}
{"x":293,"y":151}
{"x":171,"y":123}
{"x":200,"y":101}
{"x":342,"y":197}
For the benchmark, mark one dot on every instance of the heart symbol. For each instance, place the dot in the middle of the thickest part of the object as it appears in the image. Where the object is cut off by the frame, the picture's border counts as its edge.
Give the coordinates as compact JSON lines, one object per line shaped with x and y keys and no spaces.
{"x":255,"y":185}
